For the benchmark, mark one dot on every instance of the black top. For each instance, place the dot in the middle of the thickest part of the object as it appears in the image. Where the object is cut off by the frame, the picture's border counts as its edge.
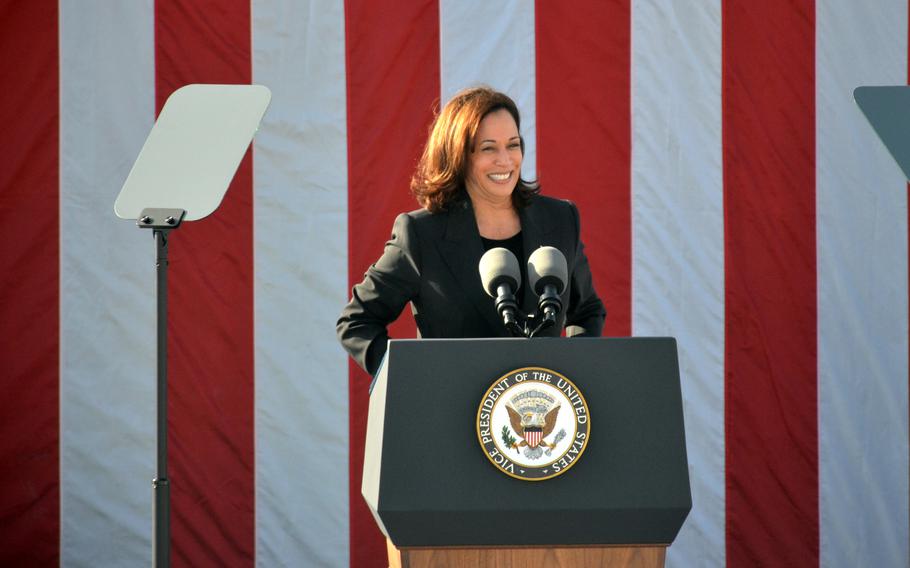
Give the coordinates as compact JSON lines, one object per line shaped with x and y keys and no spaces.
{"x":515,"y":245}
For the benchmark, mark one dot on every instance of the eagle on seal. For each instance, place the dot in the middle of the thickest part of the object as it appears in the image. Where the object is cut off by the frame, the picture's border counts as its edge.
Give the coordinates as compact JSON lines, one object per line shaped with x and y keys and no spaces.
{"x":533,"y":427}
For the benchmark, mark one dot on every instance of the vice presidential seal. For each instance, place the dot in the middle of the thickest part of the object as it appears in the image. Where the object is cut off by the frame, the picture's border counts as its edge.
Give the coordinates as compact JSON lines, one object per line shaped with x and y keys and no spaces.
{"x":533,"y":424}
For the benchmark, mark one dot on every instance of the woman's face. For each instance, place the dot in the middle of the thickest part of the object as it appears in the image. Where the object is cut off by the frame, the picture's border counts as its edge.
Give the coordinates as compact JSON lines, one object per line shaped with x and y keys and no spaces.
{"x":494,"y":164}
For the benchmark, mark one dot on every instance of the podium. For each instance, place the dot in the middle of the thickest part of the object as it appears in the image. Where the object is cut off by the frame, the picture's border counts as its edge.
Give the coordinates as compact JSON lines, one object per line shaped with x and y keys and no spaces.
{"x":441,"y":501}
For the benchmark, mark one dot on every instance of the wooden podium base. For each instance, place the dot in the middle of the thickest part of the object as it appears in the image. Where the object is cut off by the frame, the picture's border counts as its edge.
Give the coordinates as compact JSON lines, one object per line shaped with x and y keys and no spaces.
{"x":606,"y":556}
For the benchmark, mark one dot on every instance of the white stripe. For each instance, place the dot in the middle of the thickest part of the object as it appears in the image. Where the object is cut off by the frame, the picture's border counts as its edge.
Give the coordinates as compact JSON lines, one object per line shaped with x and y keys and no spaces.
{"x":107,"y":288}
{"x":862,"y":293}
{"x":492,"y":43}
{"x":677,"y":236}
{"x":300,"y":204}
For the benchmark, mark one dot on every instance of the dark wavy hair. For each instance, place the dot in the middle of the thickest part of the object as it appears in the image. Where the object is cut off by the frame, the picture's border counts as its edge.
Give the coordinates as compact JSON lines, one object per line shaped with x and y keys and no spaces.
{"x":439,"y":179}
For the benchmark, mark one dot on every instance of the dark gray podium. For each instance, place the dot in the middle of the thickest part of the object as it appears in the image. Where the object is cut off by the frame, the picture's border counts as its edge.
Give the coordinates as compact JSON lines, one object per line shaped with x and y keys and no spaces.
{"x":430,"y":486}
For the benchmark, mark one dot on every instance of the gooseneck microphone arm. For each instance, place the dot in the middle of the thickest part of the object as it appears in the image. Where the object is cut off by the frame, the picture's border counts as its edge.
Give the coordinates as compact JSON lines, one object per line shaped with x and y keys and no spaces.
{"x":507,"y":307}
{"x":549,"y":307}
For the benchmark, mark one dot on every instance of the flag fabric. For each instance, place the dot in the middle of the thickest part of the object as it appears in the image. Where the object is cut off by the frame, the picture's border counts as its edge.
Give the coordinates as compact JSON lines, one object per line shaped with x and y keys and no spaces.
{"x":731,"y":194}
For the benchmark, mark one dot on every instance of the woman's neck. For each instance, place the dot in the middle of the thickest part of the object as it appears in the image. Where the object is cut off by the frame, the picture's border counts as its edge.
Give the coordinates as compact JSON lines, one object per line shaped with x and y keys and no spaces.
{"x":496,"y":221}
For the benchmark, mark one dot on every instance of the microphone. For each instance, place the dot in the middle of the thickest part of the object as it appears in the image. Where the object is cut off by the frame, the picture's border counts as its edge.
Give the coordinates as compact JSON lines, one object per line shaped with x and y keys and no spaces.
{"x":501,"y":278}
{"x":547,"y":275}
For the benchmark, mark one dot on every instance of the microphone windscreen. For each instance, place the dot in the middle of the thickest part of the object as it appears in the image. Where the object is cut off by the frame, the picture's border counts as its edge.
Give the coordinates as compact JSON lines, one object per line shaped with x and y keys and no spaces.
{"x":497,"y":266}
{"x":547,"y":265}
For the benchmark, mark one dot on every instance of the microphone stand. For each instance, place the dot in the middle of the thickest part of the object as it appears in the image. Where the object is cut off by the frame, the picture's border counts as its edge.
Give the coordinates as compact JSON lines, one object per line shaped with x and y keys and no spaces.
{"x":527,"y":327}
{"x":547,"y":321}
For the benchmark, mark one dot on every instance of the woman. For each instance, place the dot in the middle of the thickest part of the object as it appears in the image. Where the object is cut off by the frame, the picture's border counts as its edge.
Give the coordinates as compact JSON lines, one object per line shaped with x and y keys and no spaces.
{"x":473,"y":199}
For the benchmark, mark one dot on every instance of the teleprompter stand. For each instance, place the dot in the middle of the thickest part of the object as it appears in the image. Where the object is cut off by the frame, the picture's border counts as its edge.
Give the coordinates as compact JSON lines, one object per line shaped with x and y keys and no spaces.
{"x":162,"y":222}
{"x":182,"y":174}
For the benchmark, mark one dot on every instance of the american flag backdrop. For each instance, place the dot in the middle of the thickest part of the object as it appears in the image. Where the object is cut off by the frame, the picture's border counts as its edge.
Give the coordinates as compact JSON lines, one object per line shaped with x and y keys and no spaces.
{"x":731,"y":196}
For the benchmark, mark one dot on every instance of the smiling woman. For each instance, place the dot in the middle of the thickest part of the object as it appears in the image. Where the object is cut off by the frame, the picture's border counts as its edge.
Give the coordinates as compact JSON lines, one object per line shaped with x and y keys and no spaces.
{"x":494,"y":167}
{"x":473,"y":198}
{"x":470,"y":125}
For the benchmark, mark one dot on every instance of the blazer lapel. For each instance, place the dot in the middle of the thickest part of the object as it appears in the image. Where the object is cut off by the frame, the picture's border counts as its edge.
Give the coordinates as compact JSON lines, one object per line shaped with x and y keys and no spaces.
{"x":461,"y":250}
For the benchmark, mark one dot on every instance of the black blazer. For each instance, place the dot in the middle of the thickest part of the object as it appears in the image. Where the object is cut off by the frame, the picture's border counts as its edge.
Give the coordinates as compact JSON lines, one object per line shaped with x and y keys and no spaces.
{"x":431,"y":261}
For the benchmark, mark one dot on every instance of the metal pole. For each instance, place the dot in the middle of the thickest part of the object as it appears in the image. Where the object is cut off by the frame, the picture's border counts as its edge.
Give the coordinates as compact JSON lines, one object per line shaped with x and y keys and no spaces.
{"x":161,"y":552}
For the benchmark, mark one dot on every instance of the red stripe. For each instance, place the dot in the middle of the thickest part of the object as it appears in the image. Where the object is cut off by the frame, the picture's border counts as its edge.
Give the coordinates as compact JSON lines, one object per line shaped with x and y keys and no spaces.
{"x":392,"y":52}
{"x":29,"y":285}
{"x":211,"y":310}
{"x":584,"y":132}
{"x":770,"y":353}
